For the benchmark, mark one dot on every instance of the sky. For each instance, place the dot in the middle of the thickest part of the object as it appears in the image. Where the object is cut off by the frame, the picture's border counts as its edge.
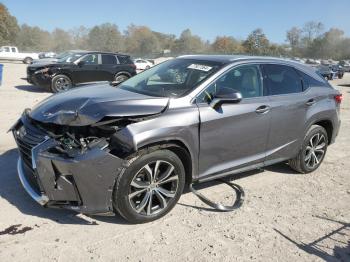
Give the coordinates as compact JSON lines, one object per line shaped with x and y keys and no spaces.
{"x":206,"y":18}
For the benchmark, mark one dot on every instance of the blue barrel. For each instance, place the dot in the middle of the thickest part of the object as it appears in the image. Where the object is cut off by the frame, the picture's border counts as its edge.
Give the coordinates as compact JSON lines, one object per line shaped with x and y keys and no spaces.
{"x":1,"y":67}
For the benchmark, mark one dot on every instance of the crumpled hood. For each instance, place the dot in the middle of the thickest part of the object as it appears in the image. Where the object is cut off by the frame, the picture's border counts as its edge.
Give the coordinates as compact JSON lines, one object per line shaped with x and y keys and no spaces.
{"x":87,"y":105}
{"x":48,"y":64}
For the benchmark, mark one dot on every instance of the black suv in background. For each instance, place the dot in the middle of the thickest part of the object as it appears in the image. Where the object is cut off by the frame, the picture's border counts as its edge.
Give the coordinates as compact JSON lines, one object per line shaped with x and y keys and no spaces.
{"x":82,"y":68}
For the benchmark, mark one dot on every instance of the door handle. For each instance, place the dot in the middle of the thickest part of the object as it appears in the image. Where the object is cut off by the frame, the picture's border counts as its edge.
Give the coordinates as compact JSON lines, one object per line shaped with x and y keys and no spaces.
{"x":310,"y":102}
{"x":262,"y":109}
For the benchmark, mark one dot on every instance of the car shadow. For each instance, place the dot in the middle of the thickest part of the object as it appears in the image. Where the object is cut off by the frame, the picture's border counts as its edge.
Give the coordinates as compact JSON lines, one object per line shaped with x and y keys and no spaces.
{"x":31,"y":88}
{"x":340,"y":252}
{"x":12,"y":190}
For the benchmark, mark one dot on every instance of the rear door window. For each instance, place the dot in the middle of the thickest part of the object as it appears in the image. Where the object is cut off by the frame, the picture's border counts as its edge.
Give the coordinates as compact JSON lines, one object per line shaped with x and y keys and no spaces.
{"x":109,"y":60}
{"x":281,"y":79}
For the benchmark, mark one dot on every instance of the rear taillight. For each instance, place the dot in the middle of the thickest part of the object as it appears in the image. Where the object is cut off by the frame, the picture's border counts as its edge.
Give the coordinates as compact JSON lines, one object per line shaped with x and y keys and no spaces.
{"x":338,"y":98}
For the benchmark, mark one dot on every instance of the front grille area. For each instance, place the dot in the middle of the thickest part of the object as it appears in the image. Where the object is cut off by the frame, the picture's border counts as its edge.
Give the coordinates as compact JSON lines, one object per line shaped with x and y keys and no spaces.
{"x":27,"y":137}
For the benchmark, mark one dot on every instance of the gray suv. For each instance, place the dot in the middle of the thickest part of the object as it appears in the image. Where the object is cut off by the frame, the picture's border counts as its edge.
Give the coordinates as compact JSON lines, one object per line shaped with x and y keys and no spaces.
{"x":130,"y":149}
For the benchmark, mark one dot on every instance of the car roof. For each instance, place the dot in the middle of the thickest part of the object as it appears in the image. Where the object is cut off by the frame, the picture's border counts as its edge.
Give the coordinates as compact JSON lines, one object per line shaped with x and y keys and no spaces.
{"x":228,"y":59}
{"x":101,"y":52}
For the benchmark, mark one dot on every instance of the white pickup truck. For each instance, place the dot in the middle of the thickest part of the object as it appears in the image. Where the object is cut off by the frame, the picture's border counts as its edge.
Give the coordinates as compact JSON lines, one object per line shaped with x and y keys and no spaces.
{"x":11,"y":53}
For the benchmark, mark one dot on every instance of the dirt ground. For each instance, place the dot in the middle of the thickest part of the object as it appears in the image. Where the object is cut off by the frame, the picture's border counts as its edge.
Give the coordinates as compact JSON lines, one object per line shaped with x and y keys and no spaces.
{"x":285,"y":216}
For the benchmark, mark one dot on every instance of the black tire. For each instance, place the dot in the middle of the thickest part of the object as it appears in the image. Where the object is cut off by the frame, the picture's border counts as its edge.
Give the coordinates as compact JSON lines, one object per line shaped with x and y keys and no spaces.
{"x":147,"y":67}
{"x":120,"y":77}
{"x":60,"y":83}
{"x":28,"y":60}
{"x":301,"y":163}
{"x":130,"y":207}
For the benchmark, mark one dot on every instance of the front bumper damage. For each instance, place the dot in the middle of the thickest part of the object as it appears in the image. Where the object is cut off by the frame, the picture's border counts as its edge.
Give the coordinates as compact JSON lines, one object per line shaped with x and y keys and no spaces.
{"x":83,"y":183}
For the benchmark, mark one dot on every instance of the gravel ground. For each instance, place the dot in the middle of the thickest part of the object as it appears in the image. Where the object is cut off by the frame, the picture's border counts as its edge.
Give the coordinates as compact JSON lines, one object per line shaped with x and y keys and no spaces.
{"x":285,"y":216}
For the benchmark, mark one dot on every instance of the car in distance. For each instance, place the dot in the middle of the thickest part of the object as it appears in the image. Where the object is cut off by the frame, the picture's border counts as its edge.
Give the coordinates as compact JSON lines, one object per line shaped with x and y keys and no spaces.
{"x":66,"y":56}
{"x":131,"y":150}
{"x":81,"y":67}
{"x":43,"y":55}
{"x":325,"y":71}
{"x":338,"y":71}
{"x":11,"y":53}
{"x":142,"y":64}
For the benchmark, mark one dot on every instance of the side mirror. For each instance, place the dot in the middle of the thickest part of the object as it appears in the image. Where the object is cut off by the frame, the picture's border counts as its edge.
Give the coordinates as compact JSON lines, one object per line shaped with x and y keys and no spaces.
{"x":81,"y":63}
{"x":226,"y":96}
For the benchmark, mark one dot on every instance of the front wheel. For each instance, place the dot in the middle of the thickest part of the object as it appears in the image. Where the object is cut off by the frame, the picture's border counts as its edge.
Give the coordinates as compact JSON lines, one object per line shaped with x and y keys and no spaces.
{"x":313,"y":151}
{"x":60,"y":83}
{"x":150,"y":187}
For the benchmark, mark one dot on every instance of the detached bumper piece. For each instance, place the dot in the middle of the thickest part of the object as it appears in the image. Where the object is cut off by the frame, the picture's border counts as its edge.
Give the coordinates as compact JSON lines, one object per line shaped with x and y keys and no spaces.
{"x":83,"y":183}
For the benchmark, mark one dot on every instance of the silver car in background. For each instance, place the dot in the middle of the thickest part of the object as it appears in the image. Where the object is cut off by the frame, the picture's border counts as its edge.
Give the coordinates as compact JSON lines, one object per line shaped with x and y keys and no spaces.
{"x":131,"y":149}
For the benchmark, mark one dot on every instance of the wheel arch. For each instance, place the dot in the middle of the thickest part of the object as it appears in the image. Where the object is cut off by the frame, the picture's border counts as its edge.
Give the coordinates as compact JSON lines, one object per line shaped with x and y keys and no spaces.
{"x":177,"y":147}
{"x":327,"y":124}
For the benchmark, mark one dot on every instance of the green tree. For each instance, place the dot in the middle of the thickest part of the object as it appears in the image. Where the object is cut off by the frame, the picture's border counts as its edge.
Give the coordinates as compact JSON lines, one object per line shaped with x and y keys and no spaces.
{"x":61,"y":39}
{"x":8,"y":26}
{"x":294,"y":36}
{"x":105,"y":37}
{"x":140,"y":40}
{"x":188,"y":43}
{"x":256,"y":43}
{"x":80,"y":37}
{"x":33,"y":39}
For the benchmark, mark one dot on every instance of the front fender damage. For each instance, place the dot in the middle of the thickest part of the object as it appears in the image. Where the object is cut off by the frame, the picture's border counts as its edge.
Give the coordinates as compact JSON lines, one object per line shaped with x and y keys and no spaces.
{"x":77,"y":166}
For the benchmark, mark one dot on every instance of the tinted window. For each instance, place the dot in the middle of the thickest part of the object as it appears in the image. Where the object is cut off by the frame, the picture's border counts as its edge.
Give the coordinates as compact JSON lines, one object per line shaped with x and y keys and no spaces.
{"x":7,"y":49}
{"x":124,"y":60}
{"x":309,"y":81}
{"x":90,"y":59}
{"x":244,"y":79}
{"x":13,"y":49}
{"x":109,"y":60}
{"x":282,"y":79}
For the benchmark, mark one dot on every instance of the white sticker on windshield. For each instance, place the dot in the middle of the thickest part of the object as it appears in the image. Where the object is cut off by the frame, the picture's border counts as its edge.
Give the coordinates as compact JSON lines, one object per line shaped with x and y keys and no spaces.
{"x":200,"y":67}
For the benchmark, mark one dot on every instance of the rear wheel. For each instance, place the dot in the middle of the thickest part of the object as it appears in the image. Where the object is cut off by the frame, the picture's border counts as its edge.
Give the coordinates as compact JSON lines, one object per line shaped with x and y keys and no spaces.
{"x":60,"y":83}
{"x":150,"y":187}
{"x":312,"y":152}
{"x":28,"y":60}
{"x":119,"y":78}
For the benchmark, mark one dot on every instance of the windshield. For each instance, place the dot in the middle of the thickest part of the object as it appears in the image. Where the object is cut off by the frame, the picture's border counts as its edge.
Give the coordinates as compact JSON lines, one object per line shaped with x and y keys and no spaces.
{"x":172,"y":78}
{"x":64,"y":54}
{"x":70,"y":57}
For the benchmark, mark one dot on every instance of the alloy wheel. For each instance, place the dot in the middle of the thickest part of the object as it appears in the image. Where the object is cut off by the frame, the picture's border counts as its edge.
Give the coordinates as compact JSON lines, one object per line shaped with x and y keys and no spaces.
{"x":120,"y":78}
{"x":62,"y":84}
{"x":153,"y":187}
{"x":315,"y":150}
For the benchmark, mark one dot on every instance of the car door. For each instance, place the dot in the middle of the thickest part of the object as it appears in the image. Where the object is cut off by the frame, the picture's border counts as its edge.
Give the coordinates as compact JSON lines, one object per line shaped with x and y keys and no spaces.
{"x":288,"y":108}
{"x":233,"y":136}
{"x":87,"y":69}
{"x":108,"y":67}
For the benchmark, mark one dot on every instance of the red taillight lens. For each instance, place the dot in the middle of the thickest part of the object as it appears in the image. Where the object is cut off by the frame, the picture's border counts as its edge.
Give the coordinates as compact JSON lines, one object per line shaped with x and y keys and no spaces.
{"x":338,"y":98}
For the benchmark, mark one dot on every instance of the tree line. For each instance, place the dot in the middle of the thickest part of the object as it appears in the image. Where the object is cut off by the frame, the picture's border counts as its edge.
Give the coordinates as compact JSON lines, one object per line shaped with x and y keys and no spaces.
{"x":310,"y":41}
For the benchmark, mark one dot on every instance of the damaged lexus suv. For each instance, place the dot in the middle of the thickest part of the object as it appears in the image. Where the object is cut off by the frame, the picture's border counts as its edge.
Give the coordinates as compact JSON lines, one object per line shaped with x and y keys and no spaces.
{"x":131,"y":149}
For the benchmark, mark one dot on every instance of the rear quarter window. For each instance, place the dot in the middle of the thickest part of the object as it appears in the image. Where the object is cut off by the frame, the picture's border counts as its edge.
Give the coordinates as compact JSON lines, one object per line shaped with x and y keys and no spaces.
{"x":124,"y":59}
{"x":309,"y":81}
